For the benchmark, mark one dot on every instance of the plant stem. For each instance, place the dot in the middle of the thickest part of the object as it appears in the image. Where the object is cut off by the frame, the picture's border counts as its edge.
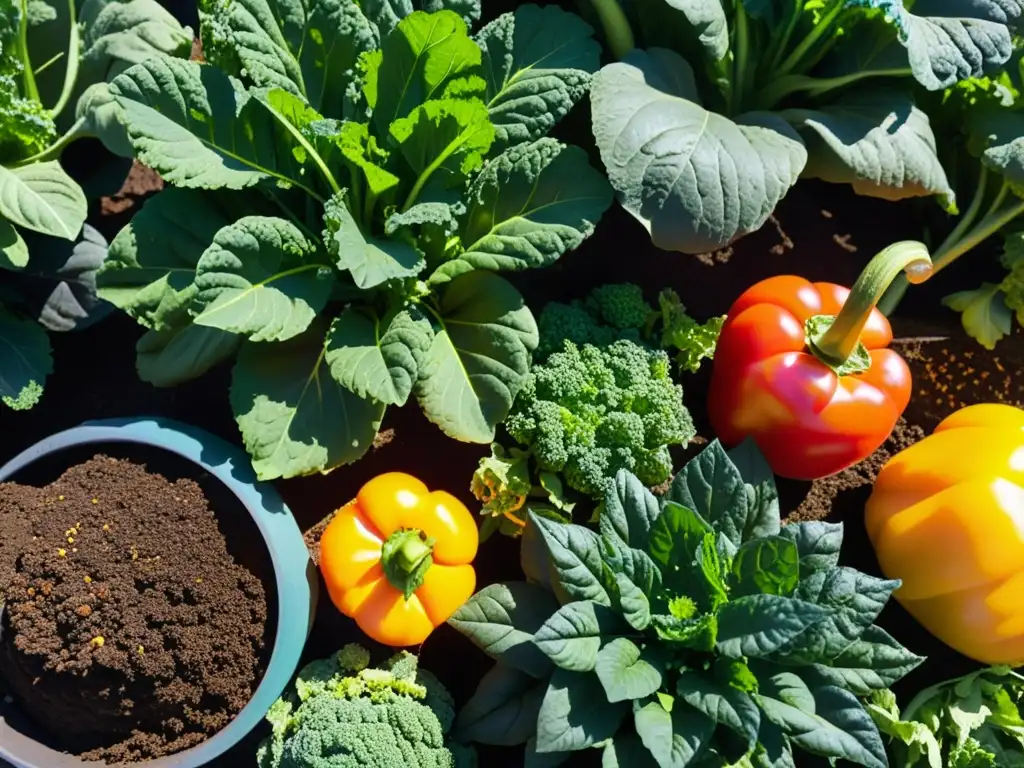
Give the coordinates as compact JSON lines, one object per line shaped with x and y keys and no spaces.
{"x":795,"y":59}
{"x":742,"y":44}
{"x":71,"y":73}
{"x":369,"y":203}
{"x":839,"y":342}
{"x":784,"y":42}
{"x":816,"y":86}
{"x":28,"y":78}
{"x":53,"y":151}
{"x":616,"y":27}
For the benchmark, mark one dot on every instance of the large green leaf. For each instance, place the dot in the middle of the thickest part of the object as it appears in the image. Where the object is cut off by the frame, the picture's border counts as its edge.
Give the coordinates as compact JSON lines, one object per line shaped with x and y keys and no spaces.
{"x":721,"y":702}
{"x":528,"y":207}
{"x":628,"y":673}
{"x":537,"y":63}
{"x":427,"y":56}
{"x":770,"y":565}
{"x":386,"y":14}
{"x":685,"y":25}
{"x":695,"y":179}
{"x":25,"y":361}
{"x":872,"y":662}
{"x":503,"y":710}
{"x":294,"y":418}
{"x":576,"y":714}
{"x":13,"y":251}
{"x":630,"y":510}
{"x":878,"y":141}
{"x":307,"y":47}
{"x":675,"y":739}
{"x":375,"y":359}
{"x":479,"y":358}
{"x":259,"y":279}
{"x":43,"y":198}
{"x":152,"y":261}
{"x":817,"y":542}
{"x":984,"y":314}
{"x":627,"y":751}
{"x":192,"y":125}
{"x":574,"y":634}
{"x":576,"y":555}
{"x":758,"y":625}
{"x":501,"y":620}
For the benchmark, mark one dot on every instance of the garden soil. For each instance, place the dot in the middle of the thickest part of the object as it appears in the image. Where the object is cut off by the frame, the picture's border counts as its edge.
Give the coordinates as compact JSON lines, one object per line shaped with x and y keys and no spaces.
{"x":127,"y":628}
{"x":820,"y":231}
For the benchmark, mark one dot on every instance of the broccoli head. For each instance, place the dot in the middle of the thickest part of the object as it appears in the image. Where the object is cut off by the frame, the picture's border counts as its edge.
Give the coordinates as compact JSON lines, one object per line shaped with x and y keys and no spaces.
{"x":346,"y":714}
{"x":610,"y":312}
{"x":589,"y":411}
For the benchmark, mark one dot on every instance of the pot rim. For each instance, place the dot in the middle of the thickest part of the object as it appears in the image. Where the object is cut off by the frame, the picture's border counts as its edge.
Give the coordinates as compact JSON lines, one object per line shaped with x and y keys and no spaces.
{"x":294,"y":573}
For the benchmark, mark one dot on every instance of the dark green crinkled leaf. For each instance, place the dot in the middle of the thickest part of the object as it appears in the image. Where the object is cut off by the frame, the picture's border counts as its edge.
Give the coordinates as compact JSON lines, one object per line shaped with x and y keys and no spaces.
{"x":628,"y":673}
{"x":773,"y":749}
{"x":872,"y":662}
{"x":711,"y":485}
{"x":386,"y":14}
{"x":759,"y":625}
{"x":576,"y":714}
{"x":576,"y":555}
{"x":817,"y":542}
{"x":503,"y":710}
{"x":629,"y":511}
{"x":770,"y":565}
{"x":633,"y":600}
{"x":627,"y":751}
{"x":574,"y":634}
{"x":676,"y":534}
{"x":677,"y":738}
{"x":726,"y":705}
{"x":25,"y":361}
{"x":762,"y":495}
{"x":501,"y":620}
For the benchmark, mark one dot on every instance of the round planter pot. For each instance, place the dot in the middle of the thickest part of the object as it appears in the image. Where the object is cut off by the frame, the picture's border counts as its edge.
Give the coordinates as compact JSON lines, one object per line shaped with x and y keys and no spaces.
{"x":261,"y":534}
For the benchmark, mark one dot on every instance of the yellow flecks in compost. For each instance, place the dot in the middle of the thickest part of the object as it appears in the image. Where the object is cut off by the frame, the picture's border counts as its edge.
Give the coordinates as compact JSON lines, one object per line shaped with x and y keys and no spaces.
{"x":87,"y":579}
{"x":60,"y":498}
{"x":61,"y":552}
{"x":98,"y":641}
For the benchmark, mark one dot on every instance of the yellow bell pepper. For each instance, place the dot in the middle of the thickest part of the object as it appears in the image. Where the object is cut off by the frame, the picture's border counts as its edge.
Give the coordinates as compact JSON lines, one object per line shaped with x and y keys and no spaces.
{"x":946,"y":517}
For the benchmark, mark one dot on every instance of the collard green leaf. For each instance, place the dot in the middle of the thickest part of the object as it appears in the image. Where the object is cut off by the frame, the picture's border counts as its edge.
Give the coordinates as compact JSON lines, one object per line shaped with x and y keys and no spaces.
{"x":427,"y":56}
{"x":43,"y":198}
{"x":626,"y":751}
{"x":628,"y":673}
{"x":501,"y":621}
{"x":574,"y":634}
{"x":877,"y":141}
{"x":983,"y":313}
{"x":770,"y":565}
{"x":479,"y":357}
{"x":724,"y":704}
{"x":817,"y":542}
{"x":711,"y":485}
{"x":629,"y":512}
{"x":308,"y":48}
{"x":773,"y":749}
{"x":25,"y":361}
{"x":377,"y":360}
{"x":872,"y":662}
{"x":503,"y":710}
{"x":576,"y":714}
{"x":675,"y":739}
{"x":100,"y":116}
{"x":259,"y":279}
{"x":294,"y":418}
{"x":576,"y":555}
{"x":13,"y":251}
{"x":757,"y":625}
{"x":695,"y":179}
{"x":633,"y":601}
{"x":762,"y":495}
{"x":537,"y":63}
{"x":528,"y":207}
{"x":675,"y":537}
{"x":365,"y":158}
{"x":678,"y":23}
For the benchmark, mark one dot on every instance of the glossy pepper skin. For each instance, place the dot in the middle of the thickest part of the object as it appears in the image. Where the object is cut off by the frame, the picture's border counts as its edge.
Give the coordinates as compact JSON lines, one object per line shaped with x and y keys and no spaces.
{"x":808,"y":420}
{"x":397,"y":600}
{"x":946,"y":517}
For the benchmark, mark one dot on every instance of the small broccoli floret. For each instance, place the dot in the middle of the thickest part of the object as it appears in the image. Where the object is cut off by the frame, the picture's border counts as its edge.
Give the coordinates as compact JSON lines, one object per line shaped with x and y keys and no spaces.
{"x":621,"y":305}
{"x":590,"y":411}
{"x":610,"y":312}
{"x":394,"y":716}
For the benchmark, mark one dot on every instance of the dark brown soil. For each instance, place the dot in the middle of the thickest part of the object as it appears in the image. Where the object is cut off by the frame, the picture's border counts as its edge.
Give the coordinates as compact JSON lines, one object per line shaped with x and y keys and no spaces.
{"x":128,"y":627}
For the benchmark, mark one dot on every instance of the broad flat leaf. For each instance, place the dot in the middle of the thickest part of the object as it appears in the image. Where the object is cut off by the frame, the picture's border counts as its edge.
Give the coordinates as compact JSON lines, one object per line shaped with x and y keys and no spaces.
{"x":770,"y":565}
{"x":370,"y":261}
{"x":427,"y":56}
{"x":757,"y":625}
{"x":722,"y":703}
{"x":626,"y":751}
{"x":528,"y":207}
{"x":444,"y":140}
{"x":877,"y":141}
{"x":375,"y":360}
{"x":762,"y":495}
{"x":627,"y":673}
{"x":362,"y":154}
{"x":629,"y":511}
{"x":100,"y":113}
{"x":501,"y":621}
{"x":386,"y":14}
{"x":633,"y":600}
{"x":773,"y":749}
{"x":259,"y":279}
{"x":25,"y":361}
{"x":308,"y":48}
{"x":294,"y":418}
{"x":574,"y":634}
{"x":577,"y":559}
{"x":676,"y":535}
{"x":675,"y":739}
{"x":153,"y":259}
{"x":191,"y":125}
{"x":817,"y":542}
{"x":503,"y":710}
{"x":836,"y":724}
{"x":575,"y":713}
{"x":983,"y":313}
{"x":677,"y":23}
{"x":13,"y":251}
{"x":711,"y":485}
{"x":871,"y":662}
{"x":43,"y":198}
{"x":537,"y":63}
{"x":695,"y":179}
{"x":479,"y":358}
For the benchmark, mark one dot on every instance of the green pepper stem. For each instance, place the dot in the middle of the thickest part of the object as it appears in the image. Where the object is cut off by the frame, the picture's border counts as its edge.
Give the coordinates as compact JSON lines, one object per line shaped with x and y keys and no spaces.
{"x":405,"y":558}
{"x":835,"y":345}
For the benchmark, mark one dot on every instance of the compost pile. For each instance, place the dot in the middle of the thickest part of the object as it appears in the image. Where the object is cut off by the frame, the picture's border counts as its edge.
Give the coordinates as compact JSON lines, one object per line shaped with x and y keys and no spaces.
{"x":127,"y":626}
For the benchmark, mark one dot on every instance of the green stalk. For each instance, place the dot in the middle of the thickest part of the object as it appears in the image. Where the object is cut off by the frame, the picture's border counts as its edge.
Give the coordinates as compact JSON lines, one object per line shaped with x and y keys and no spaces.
{"x":795,"y":59}
{"x":784,"y":42}
{"x":53,"y":151}
{"x":406,"y":556}
{"x":740,"y":62}
{"x":369,"y":203}
{"x":71,"y":73}
{"x":616,"y":27}
{"x":28,"y":78}
{"x":839,"y":341}
{"x":816,"y":86}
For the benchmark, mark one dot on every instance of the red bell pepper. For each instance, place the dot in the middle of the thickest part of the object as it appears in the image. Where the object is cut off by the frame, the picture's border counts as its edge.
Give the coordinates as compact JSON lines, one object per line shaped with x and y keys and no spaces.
{"x":804,"y":368}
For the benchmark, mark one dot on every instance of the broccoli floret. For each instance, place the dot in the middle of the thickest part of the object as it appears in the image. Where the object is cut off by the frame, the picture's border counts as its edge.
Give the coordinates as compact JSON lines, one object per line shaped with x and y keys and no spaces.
{"x":621,"y":305}
{"x":394,"y":716}
{"x":610,"y":312}
{"x":590,"y":411}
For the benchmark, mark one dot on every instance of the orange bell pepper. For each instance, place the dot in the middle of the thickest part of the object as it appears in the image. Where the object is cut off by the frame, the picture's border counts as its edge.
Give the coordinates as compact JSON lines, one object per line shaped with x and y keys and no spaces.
{"x":946,"y":517}
{"x":397,"y":558}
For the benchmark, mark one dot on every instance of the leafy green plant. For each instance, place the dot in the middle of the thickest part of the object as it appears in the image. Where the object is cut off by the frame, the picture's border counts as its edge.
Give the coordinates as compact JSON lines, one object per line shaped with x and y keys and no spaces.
{"x":343,"y":713}
{"x":690,"y":630}
{"x":728,"y":103}
{"x":55,"y":64}
{"x":347,"y":180}
{"x":972,"y":721}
